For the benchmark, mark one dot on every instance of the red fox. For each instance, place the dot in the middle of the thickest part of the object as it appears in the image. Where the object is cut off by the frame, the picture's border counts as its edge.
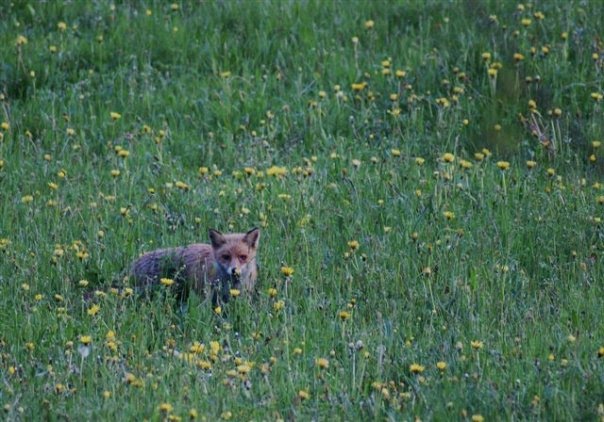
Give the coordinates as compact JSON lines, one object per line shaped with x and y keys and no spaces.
{"x":229,"y":262}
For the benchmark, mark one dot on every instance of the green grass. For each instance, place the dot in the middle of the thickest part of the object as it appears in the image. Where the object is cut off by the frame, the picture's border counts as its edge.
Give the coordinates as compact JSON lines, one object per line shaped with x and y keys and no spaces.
{"x":497,"y":273}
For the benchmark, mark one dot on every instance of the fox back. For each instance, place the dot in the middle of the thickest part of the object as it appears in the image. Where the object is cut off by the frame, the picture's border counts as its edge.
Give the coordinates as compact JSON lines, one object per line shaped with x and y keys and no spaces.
{"x":229,"y":261}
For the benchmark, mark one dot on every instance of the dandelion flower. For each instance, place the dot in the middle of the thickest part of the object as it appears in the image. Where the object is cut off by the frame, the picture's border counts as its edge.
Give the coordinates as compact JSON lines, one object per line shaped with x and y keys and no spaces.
{"x":448,"y":157}
{"x":503,"y":165}
{"x":287,"y":271}
{"x":93,"y":310}
{"x":303,"y":395}
{"x":115,"y":116}
{"x":416,"y":368}
{"x":276,"y":171}
{"x":369,"y":24}
{"x":165,"y":407}
{"x":344,"y":315}
{"x":322,"y":363}
{"x":21,"y":40}
{"x":166,"y":282}
{"x":476,"y":344}
{"x":359,"y":86}
{"x":465,"y":164}
{"x":441,"y":365}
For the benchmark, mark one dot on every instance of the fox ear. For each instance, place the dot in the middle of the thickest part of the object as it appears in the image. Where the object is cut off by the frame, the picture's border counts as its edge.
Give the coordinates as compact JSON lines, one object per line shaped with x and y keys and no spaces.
{"x":252,"y":237}
{"x":216,"y":238}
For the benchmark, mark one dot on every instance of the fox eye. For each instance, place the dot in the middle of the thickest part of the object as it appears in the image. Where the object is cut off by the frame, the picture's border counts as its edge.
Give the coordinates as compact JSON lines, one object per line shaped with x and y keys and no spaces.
{"x":243,"y":257}
{"x":226,"y":257}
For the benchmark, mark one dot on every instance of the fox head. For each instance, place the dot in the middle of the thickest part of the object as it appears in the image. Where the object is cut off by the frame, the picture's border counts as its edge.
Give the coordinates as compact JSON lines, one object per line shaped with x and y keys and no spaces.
{"x":235,"y":252}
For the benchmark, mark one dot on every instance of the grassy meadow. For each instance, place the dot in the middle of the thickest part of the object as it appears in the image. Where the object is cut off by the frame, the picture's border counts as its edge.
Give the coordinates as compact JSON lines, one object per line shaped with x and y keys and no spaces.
{"x":428,"y":177}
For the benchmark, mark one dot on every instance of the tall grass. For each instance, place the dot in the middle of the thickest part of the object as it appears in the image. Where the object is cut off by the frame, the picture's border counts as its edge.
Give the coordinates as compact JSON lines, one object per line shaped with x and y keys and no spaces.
{"x":430,"y":172}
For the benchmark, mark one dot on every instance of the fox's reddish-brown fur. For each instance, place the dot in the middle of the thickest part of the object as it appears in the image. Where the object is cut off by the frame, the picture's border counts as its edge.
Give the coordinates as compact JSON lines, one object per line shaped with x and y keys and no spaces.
{"x":229,"y":262}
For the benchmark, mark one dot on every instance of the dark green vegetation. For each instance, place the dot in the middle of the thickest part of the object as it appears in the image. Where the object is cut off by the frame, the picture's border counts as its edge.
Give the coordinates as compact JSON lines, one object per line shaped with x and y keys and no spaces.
{"x":431,"y":172}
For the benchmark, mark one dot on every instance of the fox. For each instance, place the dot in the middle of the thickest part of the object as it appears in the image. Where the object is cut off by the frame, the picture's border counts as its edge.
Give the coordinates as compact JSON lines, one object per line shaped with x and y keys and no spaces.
{"x":227,"y":262}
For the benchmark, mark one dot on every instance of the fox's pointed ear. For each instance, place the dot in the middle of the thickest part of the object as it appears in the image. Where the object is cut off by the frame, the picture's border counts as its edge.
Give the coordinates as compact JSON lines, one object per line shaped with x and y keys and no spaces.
{"x":216,"y":238}
{"x":252,"y":237}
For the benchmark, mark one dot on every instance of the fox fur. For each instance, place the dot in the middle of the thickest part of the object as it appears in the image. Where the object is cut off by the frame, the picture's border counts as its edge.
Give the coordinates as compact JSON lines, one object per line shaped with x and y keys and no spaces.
{"x":228,"y":262}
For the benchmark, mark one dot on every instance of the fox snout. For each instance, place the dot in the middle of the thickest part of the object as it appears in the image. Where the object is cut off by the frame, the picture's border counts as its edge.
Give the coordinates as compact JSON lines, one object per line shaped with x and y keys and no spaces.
{"x":234,"y":272}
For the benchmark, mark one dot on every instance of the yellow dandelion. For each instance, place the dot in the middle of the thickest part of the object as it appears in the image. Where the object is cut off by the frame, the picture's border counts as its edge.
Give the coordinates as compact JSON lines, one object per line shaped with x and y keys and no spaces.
{"x":503,"y":165}
{"x":344,"y":315}
{"x":93,"y":310}
{"x":416,"y":368}
{"x":287,"y":271}
{"x":165,"y":407}
{"x":322,"y":363}
{"x":476,"y":344}
{"x":21,"y":40}
{"x":166,"y":282}
{"x":85,"y":340}
{"x":278,"y":305}
{"x":448,"y":157}
{"x":369,"y":24}
{"x":276,"y":171}
{"x":441,"y":366}
{"x":115,"y":116}
{"x":465,"y":164}
{"x":303,"y":395}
